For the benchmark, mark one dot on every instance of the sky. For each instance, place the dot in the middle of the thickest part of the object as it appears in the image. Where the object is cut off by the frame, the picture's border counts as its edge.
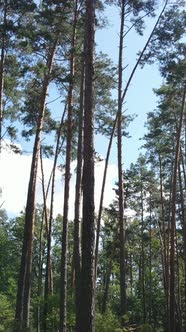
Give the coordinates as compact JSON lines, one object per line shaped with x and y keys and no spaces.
{"x":140,"y":98}
{"x":15,"y":169}
{"x":14,"y":176}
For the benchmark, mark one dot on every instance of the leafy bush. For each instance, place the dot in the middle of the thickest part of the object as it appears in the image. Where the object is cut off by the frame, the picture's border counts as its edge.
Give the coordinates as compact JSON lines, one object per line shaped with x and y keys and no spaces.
{"x":6,"y":313}
{"x":145,"y":328}
{"x":107,"y":323}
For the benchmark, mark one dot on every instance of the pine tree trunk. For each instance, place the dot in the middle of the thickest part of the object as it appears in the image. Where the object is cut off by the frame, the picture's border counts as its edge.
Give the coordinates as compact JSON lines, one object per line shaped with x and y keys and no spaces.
{"x":45,"y":217}
{"x":172,"y":326}
{"x":63,"y":295}
{"x":88,"y":225}
{"x":165,"y":244}
{"x":102,"y":196}
{"x":184,"y":217}
{"x":107,"y":283}
{"x":77,"y":240}
{"x":24,"y":282}
{"x":49,"y":272}
{"x":40,"y":274}
{"x":120,"y":170}
{"x":150,"y":262}
{"x":2,"y":70}
{"x":143,"y":258}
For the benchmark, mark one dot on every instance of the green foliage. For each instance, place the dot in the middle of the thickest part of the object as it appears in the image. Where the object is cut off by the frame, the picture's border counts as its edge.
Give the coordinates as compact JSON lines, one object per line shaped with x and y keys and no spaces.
{"x":145,"y":328}
{"x":6,"y":313}
{"x":107,"y":322}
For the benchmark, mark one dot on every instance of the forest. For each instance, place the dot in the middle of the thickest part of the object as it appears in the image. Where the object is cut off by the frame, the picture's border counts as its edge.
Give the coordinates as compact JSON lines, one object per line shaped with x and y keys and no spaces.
{"x":121,"y":267}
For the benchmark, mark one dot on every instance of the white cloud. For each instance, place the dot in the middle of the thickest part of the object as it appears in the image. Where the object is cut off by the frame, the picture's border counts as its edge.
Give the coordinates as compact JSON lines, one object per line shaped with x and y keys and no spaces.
{"x":14,"y":176}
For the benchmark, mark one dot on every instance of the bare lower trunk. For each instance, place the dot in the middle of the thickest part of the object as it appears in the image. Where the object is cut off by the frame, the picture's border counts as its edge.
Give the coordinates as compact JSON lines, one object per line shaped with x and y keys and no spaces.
{"x":64,"y":257}
{"x":77,"y":240}
{"x":49,"y":272}
{"x":88,"y":225}
{"x":143,"y":258}
{"x":120,"y":170}
{"x":184,"y":217}
{"x":150,"y":262}
{"x":107,"y":283}
{"x":173,"y":223}
{"x":24,"y":282}
{"x":2,"y":70}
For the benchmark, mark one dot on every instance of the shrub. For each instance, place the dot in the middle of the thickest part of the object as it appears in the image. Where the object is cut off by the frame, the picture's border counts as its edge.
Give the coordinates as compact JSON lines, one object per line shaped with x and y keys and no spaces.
{"x":145,"y":328}
{"x":107,"y":323}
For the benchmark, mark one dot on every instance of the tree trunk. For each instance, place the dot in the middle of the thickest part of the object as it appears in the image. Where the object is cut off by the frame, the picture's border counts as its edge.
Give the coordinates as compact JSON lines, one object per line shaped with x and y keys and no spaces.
{"x":63,"y":295}
{"x":172,"y":326}
{"x":120,"y":170}
{"x":77,"y":241}
{"x":143,"y":258}
{"x":49,"y":273}
{"x":163,"y":234}
{"x":2,"y":69}
{"x":88,"y":225}
{"x":24,"y":282}
{"x":150,"y":262}
{"x":184,"y":217}
{"x":107,"y":283}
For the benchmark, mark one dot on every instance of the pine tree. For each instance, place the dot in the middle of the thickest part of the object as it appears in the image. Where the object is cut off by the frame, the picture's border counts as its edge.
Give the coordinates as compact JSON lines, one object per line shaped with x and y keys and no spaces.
{"x":88,"y":226}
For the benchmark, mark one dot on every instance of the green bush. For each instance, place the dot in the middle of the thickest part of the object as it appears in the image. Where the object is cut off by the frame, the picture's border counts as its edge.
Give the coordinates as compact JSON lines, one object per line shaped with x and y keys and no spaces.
{"x":107,"y":323}
{"x":6,"y":314}
{"x":145,"y":328}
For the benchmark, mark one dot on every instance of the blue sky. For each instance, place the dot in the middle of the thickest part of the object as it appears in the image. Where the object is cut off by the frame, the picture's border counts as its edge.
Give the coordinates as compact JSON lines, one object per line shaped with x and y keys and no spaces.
{"x":140,"y":98}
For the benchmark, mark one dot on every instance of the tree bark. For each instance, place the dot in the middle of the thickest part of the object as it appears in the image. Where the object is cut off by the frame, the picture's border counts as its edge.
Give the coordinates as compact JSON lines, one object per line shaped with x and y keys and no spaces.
{"x":184,"y":216}
{"x":142,"y":257}
{"x":64,"y":253}
{"x":24,"y":282}
{"x":164,"y":243}
{"x":49,"y":273}
{"x":172,"y":326}
{"x":120,"y":170}
{"x":107,"y":283}
{"x":88,"y":225}
{"x":77,"y":240}
{"x":150,"y":261}
{"x":2,"y":70}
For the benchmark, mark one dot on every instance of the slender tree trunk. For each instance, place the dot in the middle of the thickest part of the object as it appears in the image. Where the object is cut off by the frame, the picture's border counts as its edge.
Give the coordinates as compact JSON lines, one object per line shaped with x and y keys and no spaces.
{"x":2,"y":70}
{"x":64,"y":254}
{"x":107,"y":283}
{"x":184,"y":217}
{"x":45,"y":217}
{"x":24,"y":282}
{"x":102,"y":196}
{"x":42,"y":244}
{"x":173,"y":223}
{"x":165,"y":244}
{"x":131,"y":275}
{"x":178,"y":294}
{"x":49,"y":273}
{"x":40,"y":274}
{"x":88,"y":225}
{"x":150,"y":262}
{"x":77,"y":245}
{"x":120,"y":170}
{"x":142,"y":257}
{"x":162,"y":256}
